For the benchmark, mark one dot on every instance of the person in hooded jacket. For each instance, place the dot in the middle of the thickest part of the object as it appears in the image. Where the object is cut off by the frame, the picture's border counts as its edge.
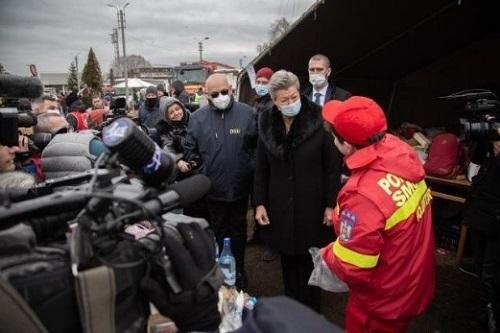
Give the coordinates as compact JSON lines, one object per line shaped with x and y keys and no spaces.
{"x":172,"y":129}
{"x":385,"y":246}
{"x":178,"y":91}
{"x":149,"y":114}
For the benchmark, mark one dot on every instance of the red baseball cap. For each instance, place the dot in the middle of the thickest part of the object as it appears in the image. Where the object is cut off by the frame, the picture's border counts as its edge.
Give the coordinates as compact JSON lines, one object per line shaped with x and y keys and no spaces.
{"x":356,"y":119}
{"x":265,"y":72}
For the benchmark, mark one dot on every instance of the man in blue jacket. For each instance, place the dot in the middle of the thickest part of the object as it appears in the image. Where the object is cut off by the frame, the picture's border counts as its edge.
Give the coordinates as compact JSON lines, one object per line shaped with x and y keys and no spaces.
{"x":224,"y":134}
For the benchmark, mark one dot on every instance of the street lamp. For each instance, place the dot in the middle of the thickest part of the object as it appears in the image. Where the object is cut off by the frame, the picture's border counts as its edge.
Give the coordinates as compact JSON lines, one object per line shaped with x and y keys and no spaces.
{"x":200,"y":47}
{"x":241,"y":61}
{"x":120,"y":12}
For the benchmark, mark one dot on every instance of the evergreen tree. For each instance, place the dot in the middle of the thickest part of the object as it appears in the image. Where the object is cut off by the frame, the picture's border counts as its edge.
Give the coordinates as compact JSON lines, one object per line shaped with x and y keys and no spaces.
{"x":72,"y":81}
{"x":91,"y":74}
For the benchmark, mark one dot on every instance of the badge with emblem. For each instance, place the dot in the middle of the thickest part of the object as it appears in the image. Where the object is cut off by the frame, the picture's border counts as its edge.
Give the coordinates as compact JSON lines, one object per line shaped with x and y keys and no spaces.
{"x":347,"y":222}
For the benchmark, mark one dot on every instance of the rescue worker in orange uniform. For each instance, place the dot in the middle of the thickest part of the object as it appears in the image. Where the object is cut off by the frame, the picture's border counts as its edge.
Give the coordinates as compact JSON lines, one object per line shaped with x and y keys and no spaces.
{"x":385,"y":245}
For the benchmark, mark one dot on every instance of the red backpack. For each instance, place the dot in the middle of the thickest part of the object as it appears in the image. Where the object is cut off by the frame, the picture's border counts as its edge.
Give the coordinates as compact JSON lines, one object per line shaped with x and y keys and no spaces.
{"x":445,"y":156}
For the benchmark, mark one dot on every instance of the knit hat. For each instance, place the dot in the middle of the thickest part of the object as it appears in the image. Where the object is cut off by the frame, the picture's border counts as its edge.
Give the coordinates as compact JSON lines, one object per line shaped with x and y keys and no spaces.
{"x":78,"y":106}
{"x":265,"y":72}
{"x":151,"y":90}
{"x":165,"y":103}
{"x":357,"y":120}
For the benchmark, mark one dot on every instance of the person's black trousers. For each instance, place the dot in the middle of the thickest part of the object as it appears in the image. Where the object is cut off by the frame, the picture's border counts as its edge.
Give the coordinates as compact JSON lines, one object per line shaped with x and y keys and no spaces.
{"x":486,"y":250}
{"x":296,"y":270}
{"x":228,"y":219}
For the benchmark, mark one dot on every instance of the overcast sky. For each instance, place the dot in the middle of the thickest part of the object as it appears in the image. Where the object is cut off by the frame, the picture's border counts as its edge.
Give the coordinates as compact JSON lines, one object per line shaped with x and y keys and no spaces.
{"x":49,"y":33}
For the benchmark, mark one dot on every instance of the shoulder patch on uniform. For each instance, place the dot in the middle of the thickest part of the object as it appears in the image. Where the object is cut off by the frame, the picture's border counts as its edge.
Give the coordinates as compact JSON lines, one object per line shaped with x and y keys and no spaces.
{"x":347,"y":223}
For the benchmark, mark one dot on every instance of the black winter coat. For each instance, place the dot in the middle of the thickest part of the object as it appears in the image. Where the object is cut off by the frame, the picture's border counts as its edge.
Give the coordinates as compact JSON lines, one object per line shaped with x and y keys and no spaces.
{"x":482,"y":208}
{"x":297,"y":176}
{"x":262,"y":103}
{"x":225,"y":143}
{"x":172,"y":135}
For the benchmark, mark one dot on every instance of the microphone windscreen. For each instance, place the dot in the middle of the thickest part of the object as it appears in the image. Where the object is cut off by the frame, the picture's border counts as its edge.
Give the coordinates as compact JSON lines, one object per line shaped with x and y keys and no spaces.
{"x":20,"y":86}
{"x":191,"y":189}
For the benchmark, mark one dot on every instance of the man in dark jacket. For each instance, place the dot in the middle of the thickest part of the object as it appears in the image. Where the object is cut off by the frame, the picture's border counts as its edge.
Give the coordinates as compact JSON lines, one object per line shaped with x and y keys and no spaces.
{"x":224,"y":134}
{"x":149,"y":114}
{"x":178,"y":91}
{"x":323,"y":87}
{"x":482,"y":215}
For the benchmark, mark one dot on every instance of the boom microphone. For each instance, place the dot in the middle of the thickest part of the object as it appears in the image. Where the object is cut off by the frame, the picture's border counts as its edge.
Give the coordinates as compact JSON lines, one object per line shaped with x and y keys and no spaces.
{"x":20,"y":86}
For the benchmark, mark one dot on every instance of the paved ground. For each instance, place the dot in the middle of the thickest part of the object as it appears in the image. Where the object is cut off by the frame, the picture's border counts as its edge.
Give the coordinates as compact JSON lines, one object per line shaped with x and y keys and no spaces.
{"x":451,"y":311}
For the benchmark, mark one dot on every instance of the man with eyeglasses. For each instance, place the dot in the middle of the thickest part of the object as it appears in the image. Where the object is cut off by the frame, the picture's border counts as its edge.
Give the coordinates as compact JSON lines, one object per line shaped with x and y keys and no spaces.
{"x":224,"y":134}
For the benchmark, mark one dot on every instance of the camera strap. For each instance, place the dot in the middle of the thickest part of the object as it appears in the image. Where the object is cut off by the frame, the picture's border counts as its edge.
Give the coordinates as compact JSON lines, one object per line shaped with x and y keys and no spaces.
{"x":15,"y":314}
{"x":96,"y":291}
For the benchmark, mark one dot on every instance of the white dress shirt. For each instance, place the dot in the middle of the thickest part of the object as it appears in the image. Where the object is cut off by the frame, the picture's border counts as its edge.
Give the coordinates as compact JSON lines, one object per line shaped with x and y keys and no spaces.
{"x":322,"y":97}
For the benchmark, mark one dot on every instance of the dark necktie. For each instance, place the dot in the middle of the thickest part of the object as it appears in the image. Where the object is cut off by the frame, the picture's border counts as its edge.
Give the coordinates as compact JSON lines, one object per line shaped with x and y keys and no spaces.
{"x":317,"y":98}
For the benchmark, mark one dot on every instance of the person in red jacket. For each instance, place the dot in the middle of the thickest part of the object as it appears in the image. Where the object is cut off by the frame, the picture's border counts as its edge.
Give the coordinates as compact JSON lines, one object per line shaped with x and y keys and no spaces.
{"x":385,"y":245}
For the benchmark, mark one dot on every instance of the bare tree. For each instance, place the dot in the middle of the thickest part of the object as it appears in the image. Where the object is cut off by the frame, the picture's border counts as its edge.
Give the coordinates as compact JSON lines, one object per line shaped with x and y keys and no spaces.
{"x":276,"y":30}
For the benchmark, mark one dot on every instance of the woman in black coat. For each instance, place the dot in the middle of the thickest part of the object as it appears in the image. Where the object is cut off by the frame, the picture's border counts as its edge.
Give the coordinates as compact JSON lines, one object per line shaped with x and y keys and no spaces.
{"x":297,"y":179}
{"x":171,"y":132}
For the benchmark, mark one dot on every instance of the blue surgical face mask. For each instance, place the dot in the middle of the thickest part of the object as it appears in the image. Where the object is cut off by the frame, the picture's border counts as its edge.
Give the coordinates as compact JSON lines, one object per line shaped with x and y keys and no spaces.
{"x":261,"y":89}
{"x":291,"y":110}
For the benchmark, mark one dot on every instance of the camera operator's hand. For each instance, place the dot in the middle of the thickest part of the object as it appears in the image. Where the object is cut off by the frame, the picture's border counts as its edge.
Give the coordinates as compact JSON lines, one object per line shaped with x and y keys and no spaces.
{"x":183,"y":166}
{"x":195,"y":308}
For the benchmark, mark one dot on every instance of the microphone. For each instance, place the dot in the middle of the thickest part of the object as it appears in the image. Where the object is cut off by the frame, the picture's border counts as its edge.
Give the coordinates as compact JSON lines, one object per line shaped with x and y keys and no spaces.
{"x":48,"y":205}
{"x":20,"y":86}
{"x":138,"y":151}
{"x":182,"y":194}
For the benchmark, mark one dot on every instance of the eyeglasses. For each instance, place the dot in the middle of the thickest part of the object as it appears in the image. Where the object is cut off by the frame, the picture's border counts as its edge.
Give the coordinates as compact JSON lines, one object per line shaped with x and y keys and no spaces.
{"x":223,"y":92}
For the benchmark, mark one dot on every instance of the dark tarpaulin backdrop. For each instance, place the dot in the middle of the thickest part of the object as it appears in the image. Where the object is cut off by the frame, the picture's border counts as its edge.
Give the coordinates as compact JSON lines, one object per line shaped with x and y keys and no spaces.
{"x":404,"y":54}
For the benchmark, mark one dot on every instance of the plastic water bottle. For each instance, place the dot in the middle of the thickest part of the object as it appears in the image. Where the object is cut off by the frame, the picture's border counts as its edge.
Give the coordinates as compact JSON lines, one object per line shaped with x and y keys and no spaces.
{"x":227,"y":263}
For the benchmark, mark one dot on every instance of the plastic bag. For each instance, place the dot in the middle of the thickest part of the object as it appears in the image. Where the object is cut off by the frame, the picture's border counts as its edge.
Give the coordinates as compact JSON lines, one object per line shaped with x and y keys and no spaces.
{"x":323,"y":277}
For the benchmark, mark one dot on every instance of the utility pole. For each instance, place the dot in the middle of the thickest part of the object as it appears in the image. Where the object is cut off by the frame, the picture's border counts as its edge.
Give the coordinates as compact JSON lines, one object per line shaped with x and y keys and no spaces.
{"x":200,"y":48}
{"x":121,"y":25}
{"x":116,"y":47}
{"x":125,"y":65}
{"x":77,"y":73}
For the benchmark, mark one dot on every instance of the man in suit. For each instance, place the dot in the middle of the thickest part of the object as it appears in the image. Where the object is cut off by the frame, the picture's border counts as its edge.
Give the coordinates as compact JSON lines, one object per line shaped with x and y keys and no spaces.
{"x":323,"y":89}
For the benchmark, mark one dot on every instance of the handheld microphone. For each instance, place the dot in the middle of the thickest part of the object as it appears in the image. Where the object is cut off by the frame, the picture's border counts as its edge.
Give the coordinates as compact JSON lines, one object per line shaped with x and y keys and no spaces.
{"x":20,"y":86}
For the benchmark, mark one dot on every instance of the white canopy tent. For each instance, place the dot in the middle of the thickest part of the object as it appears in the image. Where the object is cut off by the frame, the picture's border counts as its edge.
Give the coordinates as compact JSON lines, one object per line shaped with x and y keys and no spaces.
{"x":134,"y":83}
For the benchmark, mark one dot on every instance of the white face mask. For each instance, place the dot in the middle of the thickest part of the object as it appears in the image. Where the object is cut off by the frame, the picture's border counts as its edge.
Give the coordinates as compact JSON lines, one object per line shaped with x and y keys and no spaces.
{"x":221,"y":102}
{"x":317,"y":80}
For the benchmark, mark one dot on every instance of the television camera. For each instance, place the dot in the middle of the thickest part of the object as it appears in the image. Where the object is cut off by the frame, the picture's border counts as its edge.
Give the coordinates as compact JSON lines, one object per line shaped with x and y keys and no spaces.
{"x":102,"y":218}
{"x":483,"y":109}
{"x":15,"y":108}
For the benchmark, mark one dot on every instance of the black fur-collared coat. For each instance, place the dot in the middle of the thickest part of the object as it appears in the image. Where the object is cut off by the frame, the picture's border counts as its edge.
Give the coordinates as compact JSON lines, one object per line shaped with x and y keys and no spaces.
{"x":297,"y":176}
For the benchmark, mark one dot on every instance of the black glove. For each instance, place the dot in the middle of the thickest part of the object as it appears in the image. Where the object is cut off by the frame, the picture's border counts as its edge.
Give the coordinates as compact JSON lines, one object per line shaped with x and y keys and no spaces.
{"x":195,"y":307}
